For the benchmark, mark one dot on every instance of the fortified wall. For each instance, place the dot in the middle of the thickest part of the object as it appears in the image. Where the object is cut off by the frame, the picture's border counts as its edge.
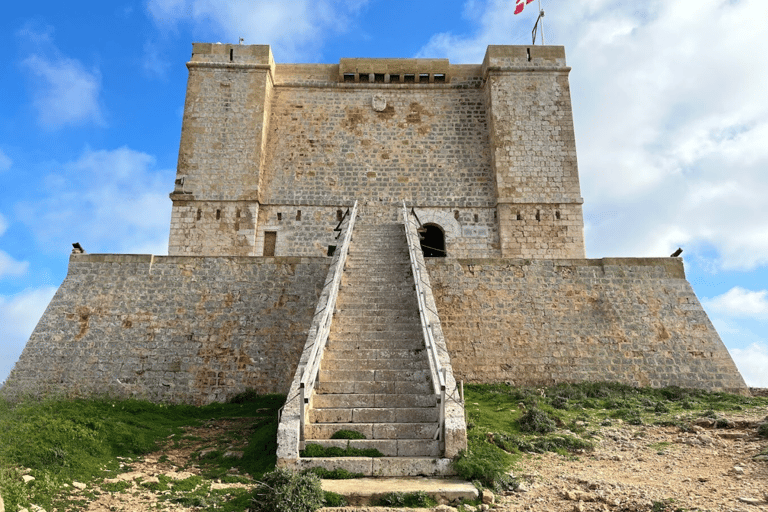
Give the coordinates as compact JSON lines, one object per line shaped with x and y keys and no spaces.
{"x":271,"y":158}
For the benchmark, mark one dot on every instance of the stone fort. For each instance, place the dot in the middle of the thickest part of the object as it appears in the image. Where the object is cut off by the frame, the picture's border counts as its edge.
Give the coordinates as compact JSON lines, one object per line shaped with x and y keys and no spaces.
{"x":361,"y":236}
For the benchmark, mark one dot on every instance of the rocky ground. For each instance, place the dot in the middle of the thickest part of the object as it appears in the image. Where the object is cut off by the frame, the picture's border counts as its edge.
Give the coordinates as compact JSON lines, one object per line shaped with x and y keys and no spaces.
{"x":632,"y":469}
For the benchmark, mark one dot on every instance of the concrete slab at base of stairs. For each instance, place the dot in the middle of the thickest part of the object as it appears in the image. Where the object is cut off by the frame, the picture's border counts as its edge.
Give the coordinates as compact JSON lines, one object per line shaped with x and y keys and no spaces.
{"x":363,"y":491}
{"x":380,"y":466}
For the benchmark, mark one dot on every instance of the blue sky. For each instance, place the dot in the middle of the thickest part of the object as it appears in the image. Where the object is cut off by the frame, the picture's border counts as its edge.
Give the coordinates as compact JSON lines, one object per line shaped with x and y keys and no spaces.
{"x":669,"y":103}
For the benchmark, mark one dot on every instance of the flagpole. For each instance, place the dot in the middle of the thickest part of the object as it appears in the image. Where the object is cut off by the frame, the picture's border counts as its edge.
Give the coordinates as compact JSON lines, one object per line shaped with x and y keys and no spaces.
{"x":541,"y":13}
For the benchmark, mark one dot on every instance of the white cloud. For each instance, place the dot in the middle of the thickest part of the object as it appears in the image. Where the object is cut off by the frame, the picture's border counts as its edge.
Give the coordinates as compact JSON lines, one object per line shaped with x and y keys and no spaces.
{"x":5,"y":161}
{"x":19,"y":315}
{"x":740,"y":303}
{"x":11,"y":267}
{"x":8,"y":265}
{"x":753,"y":364}
{"x":672,"y":130}
{"x":64,"y":91}
{"x":294,"y":29}
{"x":108,"y":200}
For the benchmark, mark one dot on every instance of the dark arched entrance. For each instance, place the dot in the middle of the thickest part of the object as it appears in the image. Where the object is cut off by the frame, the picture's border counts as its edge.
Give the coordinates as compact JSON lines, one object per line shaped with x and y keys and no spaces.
{"x":432,"y":241}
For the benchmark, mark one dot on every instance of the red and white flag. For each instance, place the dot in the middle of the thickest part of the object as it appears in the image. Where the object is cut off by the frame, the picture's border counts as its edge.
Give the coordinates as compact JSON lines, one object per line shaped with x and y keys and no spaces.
{"x":520,"y":5}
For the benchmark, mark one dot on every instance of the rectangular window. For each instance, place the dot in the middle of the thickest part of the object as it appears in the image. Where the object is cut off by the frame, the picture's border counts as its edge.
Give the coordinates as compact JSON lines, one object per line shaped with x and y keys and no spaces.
{"x":270,"y":241}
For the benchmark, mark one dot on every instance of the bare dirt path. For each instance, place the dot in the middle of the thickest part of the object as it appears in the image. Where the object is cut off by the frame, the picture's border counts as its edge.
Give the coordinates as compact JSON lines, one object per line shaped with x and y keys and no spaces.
{"x":633,"y":469}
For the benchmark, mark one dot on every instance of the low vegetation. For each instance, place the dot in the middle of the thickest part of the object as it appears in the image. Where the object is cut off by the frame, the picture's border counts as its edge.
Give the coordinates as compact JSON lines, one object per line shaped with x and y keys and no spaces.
{"x":503,"y":421}
{"x":60,"y":442}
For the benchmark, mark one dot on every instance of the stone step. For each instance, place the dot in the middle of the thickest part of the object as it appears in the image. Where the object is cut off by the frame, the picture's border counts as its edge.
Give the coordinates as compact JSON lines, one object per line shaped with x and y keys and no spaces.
{"x":375,"y":364}
{"x":382,"y":466}
{"x":373,"y":430}
{"x":347,"y":326}
{"x":392,"y":319}
{"x":352,"y":296}
{"x":359,"y":492}
{"x":382,"y":353}
{"x":407,"y":302}
{"x":375,"y":415}
{"x":364,"y":344}
{"x":374,"y":375}
{"x":371,"y":345}
{"x":388,"y":447}
{"x":361,"y":401}
{"x":372,"y":387}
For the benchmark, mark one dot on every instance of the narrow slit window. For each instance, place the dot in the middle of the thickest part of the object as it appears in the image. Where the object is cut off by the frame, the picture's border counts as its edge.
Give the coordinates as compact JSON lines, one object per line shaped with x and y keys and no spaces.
{"x":270,"y":242}
{"x":476,"y":218}
{"x":218,"y":214}
{"x":199,"y":214}
{"x":298,"y":214}
{"x":538,"y":214}
{"x":231,"y":55}
{"x":519,"y":216}
{"x":529,"y":54}
{"x":456,"y":214}
{"x":557,"y":214}
{"x":279,"y":216}
{"x":339,"y":215}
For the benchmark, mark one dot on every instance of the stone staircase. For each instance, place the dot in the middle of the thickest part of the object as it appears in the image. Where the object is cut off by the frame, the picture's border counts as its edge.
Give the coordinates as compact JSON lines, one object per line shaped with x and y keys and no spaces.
{"x":375,"y":376}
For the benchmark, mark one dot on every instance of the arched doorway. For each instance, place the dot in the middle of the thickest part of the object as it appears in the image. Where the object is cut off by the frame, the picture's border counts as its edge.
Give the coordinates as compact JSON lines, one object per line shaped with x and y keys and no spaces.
{"x":433,"y":241}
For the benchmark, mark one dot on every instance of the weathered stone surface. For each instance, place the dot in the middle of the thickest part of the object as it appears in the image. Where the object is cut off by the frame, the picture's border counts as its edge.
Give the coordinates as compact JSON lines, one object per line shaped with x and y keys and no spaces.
{"x":178,"y":329}
{"x":631,"y":320}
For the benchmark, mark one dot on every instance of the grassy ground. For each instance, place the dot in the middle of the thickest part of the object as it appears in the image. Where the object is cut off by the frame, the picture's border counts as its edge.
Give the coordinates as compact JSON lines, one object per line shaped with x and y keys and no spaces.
{"x":505,"y":421}
{"x":59,"y":442}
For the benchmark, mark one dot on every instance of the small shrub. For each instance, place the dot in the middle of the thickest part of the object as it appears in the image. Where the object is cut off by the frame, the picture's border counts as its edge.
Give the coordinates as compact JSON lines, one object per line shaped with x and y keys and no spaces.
{"x":536,"y":421}
{"x":316,"y":450}
{"x":336,"y":474}
{"x":244,"y":397}
{"x":487,"y":466}
{"x":762,"y":430}
{"x":722,"y":423}
{"x":406,"y":499}
{"x":631,"y":416}
{"x":348,"y":434}
{"x":283,"y":490}
{"x":560,"y":402}
{"x":333,"y":499}
{"x":660,"y":408}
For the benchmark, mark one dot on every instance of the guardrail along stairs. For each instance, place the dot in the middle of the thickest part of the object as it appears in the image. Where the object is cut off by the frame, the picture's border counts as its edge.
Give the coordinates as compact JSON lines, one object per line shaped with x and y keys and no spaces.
{"x":375,"y":372}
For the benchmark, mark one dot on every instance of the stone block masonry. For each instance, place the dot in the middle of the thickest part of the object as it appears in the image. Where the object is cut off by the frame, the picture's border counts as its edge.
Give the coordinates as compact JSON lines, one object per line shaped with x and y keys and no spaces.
{"x":172,"y":329}
{"x":541,"y":322}
{"x":270,"y":157}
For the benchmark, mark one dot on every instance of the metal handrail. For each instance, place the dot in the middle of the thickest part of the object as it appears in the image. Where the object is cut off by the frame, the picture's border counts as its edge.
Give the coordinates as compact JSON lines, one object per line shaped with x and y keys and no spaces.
{"x":438,"y":372}
{"x":309,"y":375}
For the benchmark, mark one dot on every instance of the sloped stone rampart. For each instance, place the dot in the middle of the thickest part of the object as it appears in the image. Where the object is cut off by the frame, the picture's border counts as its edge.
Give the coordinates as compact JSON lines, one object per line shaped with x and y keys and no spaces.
{"x":539,"y":322}
{"x":176,"y":329}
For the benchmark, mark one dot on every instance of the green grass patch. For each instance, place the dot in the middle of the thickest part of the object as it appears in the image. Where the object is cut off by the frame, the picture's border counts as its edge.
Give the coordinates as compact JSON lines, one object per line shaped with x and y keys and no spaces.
{"x":60,"y":441}
{"x":335,"y":474}
{"x":504,"y":422}
{"x":316,"y":450}
{"x":419,"y":499}
{"x":348,"y":434}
